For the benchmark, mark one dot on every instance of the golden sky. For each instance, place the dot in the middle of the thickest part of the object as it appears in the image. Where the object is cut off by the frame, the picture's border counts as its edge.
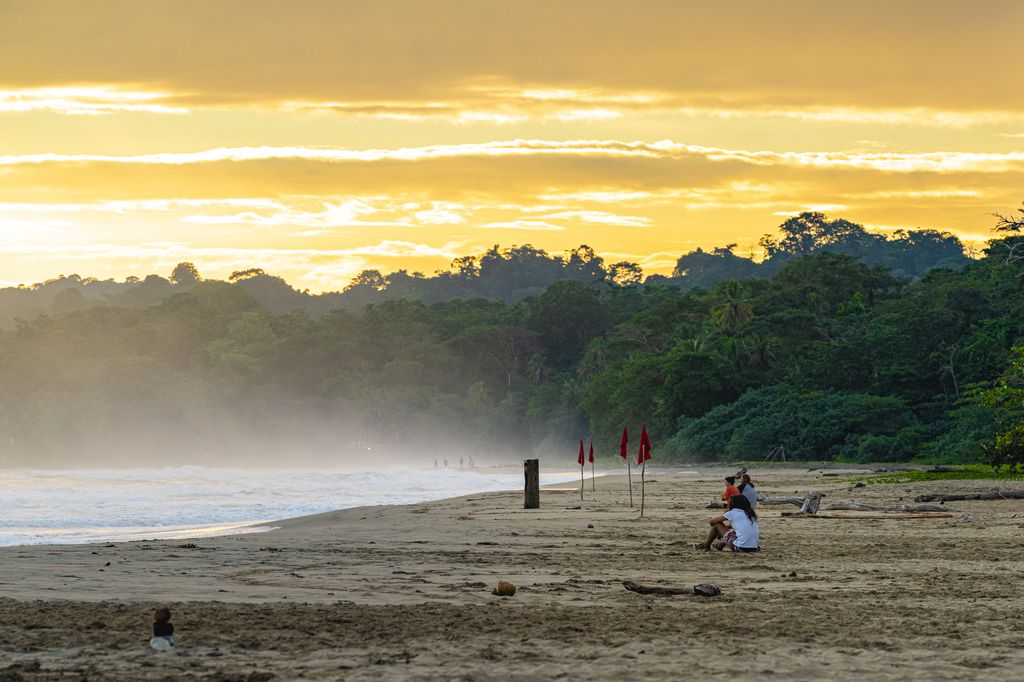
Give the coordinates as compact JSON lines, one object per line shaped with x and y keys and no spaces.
{"x":315,"y":139}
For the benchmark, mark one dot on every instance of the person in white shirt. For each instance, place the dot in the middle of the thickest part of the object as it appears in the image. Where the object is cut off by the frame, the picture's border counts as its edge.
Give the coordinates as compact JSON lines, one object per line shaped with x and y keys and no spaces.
{"x":741,"y":535}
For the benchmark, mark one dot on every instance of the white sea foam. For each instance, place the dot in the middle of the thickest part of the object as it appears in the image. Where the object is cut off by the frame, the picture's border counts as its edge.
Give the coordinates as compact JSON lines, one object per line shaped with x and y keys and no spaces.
{"x":99,"y":505}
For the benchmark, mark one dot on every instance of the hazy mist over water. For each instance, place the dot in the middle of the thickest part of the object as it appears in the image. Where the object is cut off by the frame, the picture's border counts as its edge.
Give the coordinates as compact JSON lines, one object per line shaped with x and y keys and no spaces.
{"x":93,"y":505}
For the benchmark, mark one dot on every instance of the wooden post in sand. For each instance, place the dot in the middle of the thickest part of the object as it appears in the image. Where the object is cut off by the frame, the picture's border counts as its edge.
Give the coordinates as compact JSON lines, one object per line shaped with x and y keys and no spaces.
{"x":531,"y":468}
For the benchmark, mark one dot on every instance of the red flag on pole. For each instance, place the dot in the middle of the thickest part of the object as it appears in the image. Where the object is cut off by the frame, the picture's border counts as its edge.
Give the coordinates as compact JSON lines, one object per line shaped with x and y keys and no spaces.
{"x":582,"y":460}
{"x":624,"y":443}
{"x":593,"y":475}
{"x":645,"y":447}
{"x":641,"y":460}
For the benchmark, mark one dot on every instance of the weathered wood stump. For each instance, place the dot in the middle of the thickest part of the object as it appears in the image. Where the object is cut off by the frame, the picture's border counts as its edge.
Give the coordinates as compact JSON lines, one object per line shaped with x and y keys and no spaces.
{"x":531,"y":469}
{"x":811,"y":503}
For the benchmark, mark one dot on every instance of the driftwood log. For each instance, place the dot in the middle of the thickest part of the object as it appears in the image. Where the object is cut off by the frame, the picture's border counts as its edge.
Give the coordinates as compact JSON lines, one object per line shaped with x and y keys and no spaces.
{"x":994,"y":495}
{"x":856,"y":506}
{"x":702,"y":590}
{"x":887,"y":516}
{"x":772,"y":501}
{"x":811,"y":503}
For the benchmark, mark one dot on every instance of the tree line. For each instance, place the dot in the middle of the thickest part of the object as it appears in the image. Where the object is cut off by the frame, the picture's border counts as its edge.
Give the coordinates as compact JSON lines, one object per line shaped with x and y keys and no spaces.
{"x":840,"y":345}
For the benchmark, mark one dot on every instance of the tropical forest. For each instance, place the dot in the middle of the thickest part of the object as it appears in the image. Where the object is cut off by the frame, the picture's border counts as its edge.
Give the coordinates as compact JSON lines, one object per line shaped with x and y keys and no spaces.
{"x":837,"y":344}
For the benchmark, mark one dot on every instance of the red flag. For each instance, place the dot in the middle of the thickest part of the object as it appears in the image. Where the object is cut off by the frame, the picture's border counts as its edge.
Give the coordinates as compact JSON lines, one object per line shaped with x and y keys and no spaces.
{"x":581,"y":459}
{"x":624,"y":443}
{"x":591,"y":457}
{"x":645,"y":447}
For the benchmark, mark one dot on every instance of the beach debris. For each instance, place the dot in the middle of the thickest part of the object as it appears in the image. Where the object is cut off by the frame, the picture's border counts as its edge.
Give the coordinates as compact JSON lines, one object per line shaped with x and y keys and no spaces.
{"x":966,"y":518}
{"x":701,"y":590}
{"x":811,"y":503}
{"x":504,"y":589}
{"x":882,"y":515}
{"x":993,"y":495}
{"x":590,"y":525}
{"x":771,"y":501}
{"x":707,"y":590}
{"x":908,"y":507}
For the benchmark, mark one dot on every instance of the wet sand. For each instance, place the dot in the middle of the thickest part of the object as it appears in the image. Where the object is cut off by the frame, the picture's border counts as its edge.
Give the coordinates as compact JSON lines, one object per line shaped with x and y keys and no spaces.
{"x":404,"y":592}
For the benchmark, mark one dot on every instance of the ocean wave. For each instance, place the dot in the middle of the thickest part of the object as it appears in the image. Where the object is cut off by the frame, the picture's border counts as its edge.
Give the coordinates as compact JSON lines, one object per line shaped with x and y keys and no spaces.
{"x":98,"y":505}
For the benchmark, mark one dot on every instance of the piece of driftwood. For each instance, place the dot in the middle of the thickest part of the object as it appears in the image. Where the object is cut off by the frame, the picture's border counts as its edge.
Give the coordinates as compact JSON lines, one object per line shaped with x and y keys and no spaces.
{"x":849,"y":506}
{"x":857,"y":506}
{"x":994,"y":495}
{"x":811,"y":503}
{"x":886,"y":516}
{"x":702,"y":590}
{"x":772,"y":501}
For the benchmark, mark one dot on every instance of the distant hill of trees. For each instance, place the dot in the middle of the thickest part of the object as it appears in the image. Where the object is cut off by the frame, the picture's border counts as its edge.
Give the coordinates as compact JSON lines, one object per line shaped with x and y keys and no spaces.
{"x":508,"y":275}
{"x":904,"y":349}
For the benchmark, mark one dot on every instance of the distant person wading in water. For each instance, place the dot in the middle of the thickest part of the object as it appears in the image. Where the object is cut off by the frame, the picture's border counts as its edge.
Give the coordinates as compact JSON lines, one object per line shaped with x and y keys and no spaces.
{"x":741,"y":535}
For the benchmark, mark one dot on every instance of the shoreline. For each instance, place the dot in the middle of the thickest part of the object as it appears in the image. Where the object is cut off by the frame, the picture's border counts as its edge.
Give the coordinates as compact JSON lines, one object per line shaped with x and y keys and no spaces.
{"x":404,"y":591}
{"x":194,"y":518}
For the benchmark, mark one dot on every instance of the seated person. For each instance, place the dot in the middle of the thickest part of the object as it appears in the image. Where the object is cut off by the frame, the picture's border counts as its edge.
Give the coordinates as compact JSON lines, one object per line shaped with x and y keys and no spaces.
{"x":741,"y":535}
{"x":730,"y":490}
{"x":748,"y":491}
{"x":163,"y":631}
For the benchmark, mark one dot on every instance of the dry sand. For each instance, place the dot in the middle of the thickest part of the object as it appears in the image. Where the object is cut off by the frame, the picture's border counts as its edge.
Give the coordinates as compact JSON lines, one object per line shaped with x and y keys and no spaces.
{"x":404,"y":593}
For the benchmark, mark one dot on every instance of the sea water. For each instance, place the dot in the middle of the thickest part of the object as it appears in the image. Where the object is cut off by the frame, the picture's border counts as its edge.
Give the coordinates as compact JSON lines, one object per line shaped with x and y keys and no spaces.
{"x":101,"y":505}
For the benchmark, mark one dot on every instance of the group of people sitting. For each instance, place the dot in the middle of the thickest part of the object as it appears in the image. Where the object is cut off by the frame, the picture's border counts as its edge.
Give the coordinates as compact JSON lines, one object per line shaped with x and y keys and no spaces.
{"x":736,"y":529}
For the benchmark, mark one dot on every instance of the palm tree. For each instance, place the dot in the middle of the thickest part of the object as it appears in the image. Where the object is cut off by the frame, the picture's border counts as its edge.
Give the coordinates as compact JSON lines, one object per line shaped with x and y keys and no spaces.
{"x":734,"y":307}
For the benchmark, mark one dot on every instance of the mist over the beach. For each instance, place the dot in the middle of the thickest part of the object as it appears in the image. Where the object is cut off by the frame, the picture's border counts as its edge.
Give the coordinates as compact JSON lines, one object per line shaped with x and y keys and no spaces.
{"x":511,"y":340}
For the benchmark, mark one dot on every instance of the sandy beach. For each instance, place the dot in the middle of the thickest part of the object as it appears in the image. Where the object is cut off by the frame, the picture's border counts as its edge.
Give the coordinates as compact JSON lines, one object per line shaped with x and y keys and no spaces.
{"x":404,"y":592}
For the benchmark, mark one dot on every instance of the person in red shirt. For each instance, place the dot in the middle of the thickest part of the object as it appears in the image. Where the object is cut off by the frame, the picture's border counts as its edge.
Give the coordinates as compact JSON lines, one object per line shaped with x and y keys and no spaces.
{"x":730,"y":490}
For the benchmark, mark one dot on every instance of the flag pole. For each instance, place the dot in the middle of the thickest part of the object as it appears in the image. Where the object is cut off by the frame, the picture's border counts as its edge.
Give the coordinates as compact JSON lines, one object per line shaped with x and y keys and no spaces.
{"x":583,"y":463}
{"x":642,"y":457}
{"x":643,"y":469}
{"x":593,"y":483}
{"x":624,"y":454}
{"x":629,"y":475}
